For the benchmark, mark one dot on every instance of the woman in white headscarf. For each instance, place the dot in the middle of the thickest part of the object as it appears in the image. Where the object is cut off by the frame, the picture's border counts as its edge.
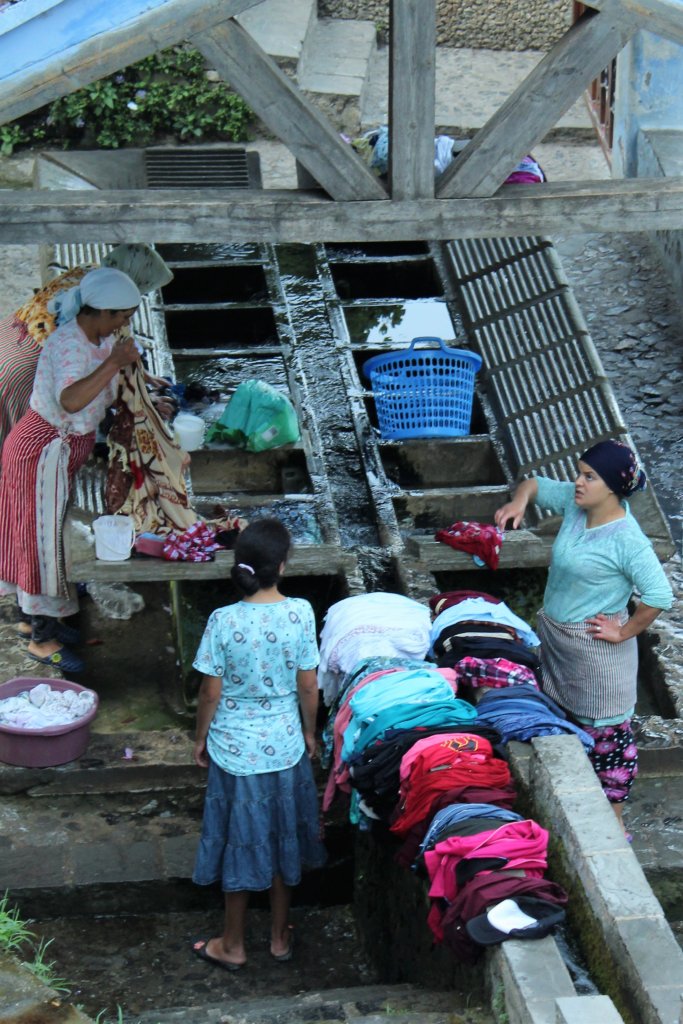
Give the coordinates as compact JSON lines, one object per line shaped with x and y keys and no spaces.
{"x":75,"y":383}
{"x":24,"y":332}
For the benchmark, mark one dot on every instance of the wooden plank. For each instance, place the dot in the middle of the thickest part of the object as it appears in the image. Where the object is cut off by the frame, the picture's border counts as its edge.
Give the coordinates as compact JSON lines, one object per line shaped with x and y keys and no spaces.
{"x":223,"y":215}
{"x":522,"y":549}
{"x":441,"y":462}
{"x":218,"y":469}
{"x":412,"y":66}
{"x":438,"y":507}
{"x":538,"y":102}
{"x":309,"y":135}
{"x":73,"y":44}
{"x":661,"y":17}
{"x":305,"y":560}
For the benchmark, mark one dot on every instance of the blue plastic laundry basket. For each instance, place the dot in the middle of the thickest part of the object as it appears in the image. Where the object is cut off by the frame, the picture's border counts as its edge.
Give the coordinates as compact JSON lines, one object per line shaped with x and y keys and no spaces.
{"x":425,"y":392}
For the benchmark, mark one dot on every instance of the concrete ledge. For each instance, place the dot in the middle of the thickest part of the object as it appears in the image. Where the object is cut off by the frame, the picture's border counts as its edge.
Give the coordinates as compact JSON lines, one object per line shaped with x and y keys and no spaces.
{"x":25,"y":999}
{"x":618,"y":919}
{"x":587,"y":1010}
{"x":529,"y":977}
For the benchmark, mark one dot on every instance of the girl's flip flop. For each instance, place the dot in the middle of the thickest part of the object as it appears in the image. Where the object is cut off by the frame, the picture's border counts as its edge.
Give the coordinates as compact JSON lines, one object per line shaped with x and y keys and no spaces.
{"x":283,"y":958}
{"x":199,"y":949}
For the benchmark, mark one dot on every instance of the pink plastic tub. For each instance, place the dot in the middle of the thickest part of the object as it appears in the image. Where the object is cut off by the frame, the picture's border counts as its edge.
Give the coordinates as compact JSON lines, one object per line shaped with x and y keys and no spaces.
{"x":44,"y":748}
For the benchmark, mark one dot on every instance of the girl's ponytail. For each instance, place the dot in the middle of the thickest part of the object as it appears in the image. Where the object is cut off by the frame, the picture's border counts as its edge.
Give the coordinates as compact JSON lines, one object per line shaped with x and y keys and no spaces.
{"x":260,"y":550}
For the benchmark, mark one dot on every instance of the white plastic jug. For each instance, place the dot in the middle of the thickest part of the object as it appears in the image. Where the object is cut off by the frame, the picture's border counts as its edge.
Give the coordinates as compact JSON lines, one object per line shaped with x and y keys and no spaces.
{"x":189,"y":431}
{"x":114,"y":537}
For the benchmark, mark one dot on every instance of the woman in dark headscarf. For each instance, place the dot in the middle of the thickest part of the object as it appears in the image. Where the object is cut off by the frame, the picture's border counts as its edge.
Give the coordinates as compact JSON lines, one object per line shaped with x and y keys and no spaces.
{"x":75,"y":382}
{"x":589,"y":654}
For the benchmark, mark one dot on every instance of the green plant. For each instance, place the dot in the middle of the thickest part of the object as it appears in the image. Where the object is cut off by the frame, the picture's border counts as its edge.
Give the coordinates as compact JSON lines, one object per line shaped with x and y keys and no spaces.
{"x":44,"y":970}
{"x":166,"y":94}
{"x":15,"y":936}
{"x":102,"y":1019}
{"x":13,"y":931}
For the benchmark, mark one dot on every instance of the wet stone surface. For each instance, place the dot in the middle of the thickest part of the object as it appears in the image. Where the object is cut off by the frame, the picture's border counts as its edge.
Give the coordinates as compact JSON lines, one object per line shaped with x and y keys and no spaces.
{"x":146,"y":963}
{"x":635,"y":322}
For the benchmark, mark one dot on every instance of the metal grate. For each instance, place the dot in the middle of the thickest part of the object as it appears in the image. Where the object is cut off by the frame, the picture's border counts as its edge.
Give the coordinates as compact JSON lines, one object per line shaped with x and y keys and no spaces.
{"x":543,"y":373}
{"x":201,"y":168}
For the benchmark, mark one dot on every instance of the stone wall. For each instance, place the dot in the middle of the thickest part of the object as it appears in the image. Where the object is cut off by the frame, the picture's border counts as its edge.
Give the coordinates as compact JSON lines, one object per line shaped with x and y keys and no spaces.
{"x":475,"y":24}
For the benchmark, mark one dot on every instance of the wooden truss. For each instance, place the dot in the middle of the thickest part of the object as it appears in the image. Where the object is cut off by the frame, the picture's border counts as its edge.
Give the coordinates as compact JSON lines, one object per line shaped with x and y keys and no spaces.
{"x":466,"y":201}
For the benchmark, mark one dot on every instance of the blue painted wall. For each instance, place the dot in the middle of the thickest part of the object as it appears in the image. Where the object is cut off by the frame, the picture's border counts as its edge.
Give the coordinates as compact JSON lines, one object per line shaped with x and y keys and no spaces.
{"x":64,"y":25}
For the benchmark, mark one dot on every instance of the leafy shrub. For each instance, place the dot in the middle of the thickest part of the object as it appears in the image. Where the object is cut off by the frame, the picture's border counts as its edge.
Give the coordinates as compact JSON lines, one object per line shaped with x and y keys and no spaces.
{"x":168,"y":94}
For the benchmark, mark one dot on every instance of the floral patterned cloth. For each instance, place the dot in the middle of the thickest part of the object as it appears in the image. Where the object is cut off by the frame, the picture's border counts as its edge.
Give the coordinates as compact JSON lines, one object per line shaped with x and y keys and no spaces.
{"x":615,"y":758}
{"x":145,"y":477}
{"x":256,"y":649}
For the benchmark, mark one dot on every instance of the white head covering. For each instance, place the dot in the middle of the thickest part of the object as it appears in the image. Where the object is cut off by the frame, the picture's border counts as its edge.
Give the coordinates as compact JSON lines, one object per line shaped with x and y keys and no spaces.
{"x":103,"y":288}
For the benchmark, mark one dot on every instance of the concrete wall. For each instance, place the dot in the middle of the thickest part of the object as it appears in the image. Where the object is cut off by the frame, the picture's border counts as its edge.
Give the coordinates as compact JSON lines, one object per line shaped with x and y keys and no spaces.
{"x":648,"y":126}
{"x":649,"y":96}
{"x":475,"y":24}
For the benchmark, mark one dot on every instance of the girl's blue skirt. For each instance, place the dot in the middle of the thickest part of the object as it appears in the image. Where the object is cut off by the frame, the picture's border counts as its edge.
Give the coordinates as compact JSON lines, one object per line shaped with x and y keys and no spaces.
{"x":259,"y":826}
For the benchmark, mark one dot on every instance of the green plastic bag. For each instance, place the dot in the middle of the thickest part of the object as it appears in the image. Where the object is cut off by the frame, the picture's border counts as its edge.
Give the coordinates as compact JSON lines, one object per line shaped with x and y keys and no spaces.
{"x":257,"y":417}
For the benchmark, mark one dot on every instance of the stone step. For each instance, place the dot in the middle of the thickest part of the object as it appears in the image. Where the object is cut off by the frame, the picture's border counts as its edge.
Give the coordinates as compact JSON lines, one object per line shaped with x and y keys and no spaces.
{"x":105,"y":839}
{"x":336,"y":57}
{"x":374,"y":1004}
{"x":280,"y":26}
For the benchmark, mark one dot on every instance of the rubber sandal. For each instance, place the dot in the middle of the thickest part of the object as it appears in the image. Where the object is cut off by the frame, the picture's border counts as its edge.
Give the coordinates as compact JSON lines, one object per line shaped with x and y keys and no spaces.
{"x":63,"y":659}
{"x":199,"y":949}
{"x":284,"y":958}
{"x":64,"y":634}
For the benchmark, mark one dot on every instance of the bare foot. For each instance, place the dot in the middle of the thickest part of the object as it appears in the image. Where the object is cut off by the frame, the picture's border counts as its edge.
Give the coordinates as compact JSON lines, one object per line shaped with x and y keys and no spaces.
{"x":217,"y":950}
{"x":45,"y":649}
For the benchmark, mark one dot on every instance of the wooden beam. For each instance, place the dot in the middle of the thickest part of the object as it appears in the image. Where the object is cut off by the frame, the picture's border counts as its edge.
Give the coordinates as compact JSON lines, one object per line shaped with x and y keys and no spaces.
{"x":54,"y":56}
{"x":538,"y":102}
{"x":411,"y":98}
{"x":285,"y":110}
{"x":241,"y":215}
{"x":305,"y":560}
{"x":661,"y":17}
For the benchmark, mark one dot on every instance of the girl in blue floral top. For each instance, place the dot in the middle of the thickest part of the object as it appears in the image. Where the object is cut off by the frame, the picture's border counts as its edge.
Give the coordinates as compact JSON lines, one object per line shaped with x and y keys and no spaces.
{"x":256,"y":722}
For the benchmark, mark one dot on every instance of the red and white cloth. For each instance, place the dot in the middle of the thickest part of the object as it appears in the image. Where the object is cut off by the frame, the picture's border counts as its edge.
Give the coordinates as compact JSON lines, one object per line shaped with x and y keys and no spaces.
{"x":39,"y":464}
{"x":481,"y":540}
{"x":196,"y":544}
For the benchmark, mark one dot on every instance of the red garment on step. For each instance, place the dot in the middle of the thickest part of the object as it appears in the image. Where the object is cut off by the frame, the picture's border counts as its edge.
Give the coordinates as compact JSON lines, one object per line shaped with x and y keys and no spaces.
{"x":478,"y":895}
{"x":501,"y":797}
{"x":437,"y":769}
{"x":480,"y":539}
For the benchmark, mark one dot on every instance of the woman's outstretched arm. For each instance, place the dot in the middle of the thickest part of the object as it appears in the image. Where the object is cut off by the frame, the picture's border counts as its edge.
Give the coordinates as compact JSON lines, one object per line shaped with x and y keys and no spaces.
{"x":514,"y":509}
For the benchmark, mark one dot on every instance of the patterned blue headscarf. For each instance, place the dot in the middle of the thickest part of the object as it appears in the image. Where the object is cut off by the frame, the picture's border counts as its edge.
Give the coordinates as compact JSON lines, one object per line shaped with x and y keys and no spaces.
{"x":618,"y":466}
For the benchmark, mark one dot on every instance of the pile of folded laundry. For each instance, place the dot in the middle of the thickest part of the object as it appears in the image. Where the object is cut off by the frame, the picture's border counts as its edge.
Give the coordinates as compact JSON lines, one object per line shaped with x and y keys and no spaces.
{"x":416,"y":743}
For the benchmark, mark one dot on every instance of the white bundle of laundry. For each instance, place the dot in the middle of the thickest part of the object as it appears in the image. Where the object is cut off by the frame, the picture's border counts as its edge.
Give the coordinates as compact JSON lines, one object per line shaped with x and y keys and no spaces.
{"x":41,"y":707}
{"x":369,"y":626}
